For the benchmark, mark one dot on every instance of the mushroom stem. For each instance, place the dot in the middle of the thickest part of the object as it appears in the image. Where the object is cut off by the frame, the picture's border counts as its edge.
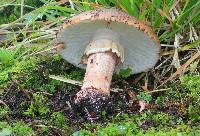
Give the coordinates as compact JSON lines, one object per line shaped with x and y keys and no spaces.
{"x":100,"y":67}
{"x":99,"y":71}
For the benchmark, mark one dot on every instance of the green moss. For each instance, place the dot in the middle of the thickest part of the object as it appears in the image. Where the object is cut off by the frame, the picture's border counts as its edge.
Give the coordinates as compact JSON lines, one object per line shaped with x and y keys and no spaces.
{"x":58,"y":119}
{"x":22,"y":129}
{"x":38,"y":107}
{"x":18,"y":70}
{"x":4,"y":125}
{"x":4,"y":111}
{"x":32,"y":73}
{"x":178,"y":131}
{"x":18,"y":128}
{"x":144,"y":96}
{"x":43,"y":129}
{"x":118,"y":130}
{"x":131,"y":129}
{"x":192,"y":84}
{"x":194,"y":112}
{"x":124,"y":73}
{"x":161,"y":119}
{"x":192,"y":87}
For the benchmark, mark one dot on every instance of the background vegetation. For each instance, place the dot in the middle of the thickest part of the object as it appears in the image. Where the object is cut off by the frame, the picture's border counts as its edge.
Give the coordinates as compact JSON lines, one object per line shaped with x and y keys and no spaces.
{"x":31,"y":103}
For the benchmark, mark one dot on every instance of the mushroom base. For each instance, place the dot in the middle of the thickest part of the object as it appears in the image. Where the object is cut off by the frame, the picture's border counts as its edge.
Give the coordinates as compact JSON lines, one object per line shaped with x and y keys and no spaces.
{"x":92,"y":104}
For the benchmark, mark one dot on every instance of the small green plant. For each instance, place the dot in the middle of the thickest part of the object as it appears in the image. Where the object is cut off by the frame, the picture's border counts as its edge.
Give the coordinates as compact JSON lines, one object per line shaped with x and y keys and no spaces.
{"x":4,"y":125}
{"x":52,"y":85}
{"x":144,"y":96}
{"x":38,"y":106}
{"x":161,"y":119}
{"x":193,"y":112}
{"x":103,"y":114}
{"x":159,"y":100}
{"x":43,"y":129}
{"x":192,"y":83}
{"x":120,"y":117}
{"x":112,"y":130}
{"x":178,"y":131}
{"x":4,"y":111}
{"x":6,"y":57}
{"x":121,"y":129}
{"x":59,"y":119}
{"x":192,"y":87}
{"x":22,"y":129}
{"x":18,"y":128}
{"x":124,"y":73}
{"x":30,"y":111}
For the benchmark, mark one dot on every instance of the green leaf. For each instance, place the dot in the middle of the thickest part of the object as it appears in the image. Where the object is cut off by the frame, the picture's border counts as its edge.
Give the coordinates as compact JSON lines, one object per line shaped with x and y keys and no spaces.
{"x":124,"y":73}
{"x":5,"y":56}
{"x":144,"y":96}
{"x":156,"y":3}
{"x":187,"y":10}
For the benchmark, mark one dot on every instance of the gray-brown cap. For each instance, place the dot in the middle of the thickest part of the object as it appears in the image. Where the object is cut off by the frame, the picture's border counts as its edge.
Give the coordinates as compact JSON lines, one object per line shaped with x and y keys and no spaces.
{"x":140,"y":43}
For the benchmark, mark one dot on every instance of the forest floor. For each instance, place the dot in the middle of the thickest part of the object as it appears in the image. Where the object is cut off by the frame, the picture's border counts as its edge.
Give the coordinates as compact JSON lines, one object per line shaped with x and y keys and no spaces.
{"x":163,"y":101}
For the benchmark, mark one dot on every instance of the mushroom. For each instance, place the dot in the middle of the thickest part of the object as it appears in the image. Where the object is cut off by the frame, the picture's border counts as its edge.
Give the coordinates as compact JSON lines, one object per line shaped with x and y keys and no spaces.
{"x":104,"y":41}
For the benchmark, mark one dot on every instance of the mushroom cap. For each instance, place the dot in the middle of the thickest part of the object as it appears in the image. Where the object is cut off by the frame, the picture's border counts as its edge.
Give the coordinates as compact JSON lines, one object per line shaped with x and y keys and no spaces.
{"x":140,"y":43}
